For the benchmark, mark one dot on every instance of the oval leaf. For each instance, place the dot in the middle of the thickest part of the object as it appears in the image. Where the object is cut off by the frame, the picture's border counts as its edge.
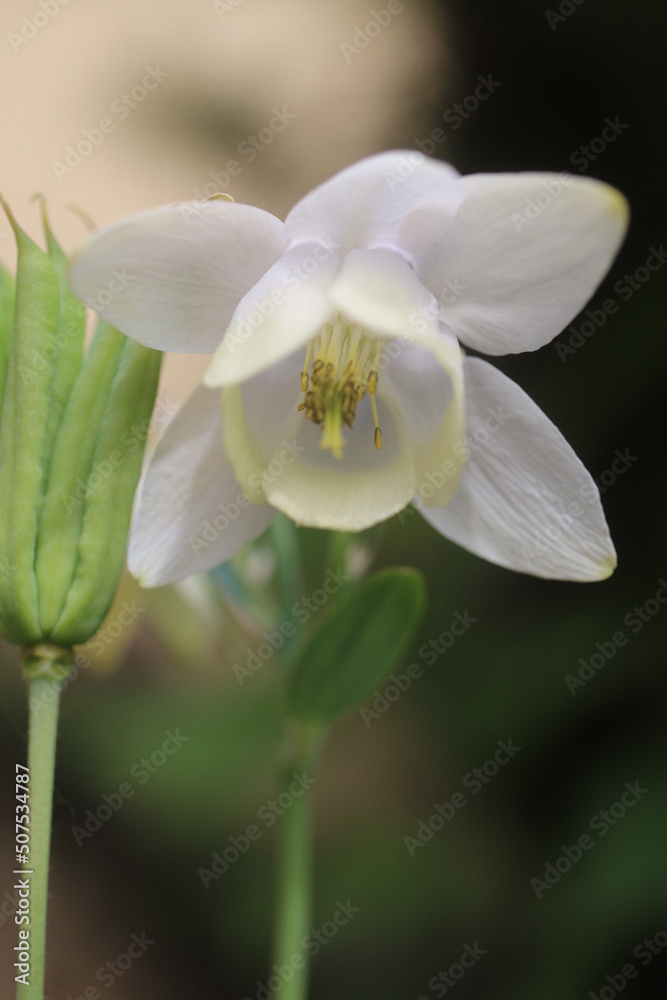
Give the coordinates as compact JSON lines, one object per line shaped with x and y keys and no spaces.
{"x":356,"y":646}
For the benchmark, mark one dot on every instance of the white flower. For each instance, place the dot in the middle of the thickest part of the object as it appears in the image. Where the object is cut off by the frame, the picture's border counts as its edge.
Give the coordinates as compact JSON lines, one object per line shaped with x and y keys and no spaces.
{"x":345,"y":394}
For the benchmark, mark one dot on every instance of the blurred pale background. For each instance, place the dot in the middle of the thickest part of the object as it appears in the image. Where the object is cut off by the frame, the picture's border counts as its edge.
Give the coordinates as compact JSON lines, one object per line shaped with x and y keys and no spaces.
{"x":228,"y":67}
{"x":220,"y":74}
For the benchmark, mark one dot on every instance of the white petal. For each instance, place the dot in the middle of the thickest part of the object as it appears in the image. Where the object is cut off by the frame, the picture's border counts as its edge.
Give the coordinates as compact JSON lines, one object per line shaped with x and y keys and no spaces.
{"x":276,"y":456}
{"x":379,"y":290}
{"x":191,"y":514}
{"x":425,"y":385}
{"x":523,"y":256}
{"x":366,"y":205}
{"x":525,"y":500}
{"x":280,"y":314}
{"x":172,"y":277}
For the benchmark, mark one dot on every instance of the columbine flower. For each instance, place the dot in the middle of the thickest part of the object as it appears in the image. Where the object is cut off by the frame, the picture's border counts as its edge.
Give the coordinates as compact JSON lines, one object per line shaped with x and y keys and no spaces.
{"x":345,"y":394}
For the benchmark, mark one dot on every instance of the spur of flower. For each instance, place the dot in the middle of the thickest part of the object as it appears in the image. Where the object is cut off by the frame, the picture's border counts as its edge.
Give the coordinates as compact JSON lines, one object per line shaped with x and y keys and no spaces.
{"x":338,"y":391}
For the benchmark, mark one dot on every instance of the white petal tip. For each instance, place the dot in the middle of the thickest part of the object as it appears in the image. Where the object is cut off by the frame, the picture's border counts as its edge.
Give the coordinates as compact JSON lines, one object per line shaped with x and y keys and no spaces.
{"x":143,"y":576}
{"x":617,"y":206}
{"x":606,"y":569}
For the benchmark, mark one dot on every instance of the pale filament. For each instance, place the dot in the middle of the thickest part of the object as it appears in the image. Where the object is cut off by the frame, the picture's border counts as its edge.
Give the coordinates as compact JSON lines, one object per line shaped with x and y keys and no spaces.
{"x":344,"y":368}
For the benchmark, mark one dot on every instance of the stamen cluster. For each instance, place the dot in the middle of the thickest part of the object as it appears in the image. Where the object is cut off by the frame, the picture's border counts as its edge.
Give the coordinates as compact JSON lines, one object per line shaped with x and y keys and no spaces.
{"x":341,"y":374}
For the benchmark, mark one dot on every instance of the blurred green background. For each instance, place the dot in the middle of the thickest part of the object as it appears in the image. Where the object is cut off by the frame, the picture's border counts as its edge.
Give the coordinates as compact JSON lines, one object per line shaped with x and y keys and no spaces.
{"x":563,"y":70}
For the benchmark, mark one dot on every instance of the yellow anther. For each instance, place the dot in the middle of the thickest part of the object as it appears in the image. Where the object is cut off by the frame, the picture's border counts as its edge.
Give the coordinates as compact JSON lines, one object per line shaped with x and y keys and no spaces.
{"x":344,"y":370}
{"x":378,"y":433}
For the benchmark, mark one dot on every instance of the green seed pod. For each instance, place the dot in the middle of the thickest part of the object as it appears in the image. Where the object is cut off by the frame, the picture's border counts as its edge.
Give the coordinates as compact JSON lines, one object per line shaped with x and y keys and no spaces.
{"x":71,"y":468}
{"x":110,"y":486}
{"x":24,"y":435}
{"x":68,"y":346}
{"x":71,"y":446}
{"x":6,"y":323}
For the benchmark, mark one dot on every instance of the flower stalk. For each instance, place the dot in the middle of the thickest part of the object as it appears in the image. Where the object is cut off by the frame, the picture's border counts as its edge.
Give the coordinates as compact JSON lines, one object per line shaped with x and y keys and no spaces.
{"x":294,"y":882}
{"x":294,"y":895}
{"x":45,"y":666}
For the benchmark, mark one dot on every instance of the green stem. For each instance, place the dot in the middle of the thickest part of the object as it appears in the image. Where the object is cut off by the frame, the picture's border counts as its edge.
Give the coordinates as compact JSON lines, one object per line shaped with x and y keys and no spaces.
{"x":294,"y":877}
{"x":45,"y":668}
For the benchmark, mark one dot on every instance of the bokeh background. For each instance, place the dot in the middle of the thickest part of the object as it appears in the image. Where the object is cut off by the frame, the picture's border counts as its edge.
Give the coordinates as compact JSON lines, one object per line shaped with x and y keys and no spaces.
{"x":559,"y":73}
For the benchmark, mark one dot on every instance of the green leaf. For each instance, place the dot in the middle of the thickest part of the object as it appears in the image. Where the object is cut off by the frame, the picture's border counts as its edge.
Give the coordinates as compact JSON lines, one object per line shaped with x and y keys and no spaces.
{"x":356,"y":646}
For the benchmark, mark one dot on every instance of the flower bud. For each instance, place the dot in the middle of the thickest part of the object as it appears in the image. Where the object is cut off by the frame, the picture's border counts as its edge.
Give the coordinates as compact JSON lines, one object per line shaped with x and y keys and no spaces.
{"x":71,"y":444}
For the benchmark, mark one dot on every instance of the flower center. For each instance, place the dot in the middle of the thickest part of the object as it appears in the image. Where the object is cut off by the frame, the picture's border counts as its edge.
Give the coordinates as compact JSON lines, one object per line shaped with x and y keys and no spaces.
{"x":344,"y":368}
